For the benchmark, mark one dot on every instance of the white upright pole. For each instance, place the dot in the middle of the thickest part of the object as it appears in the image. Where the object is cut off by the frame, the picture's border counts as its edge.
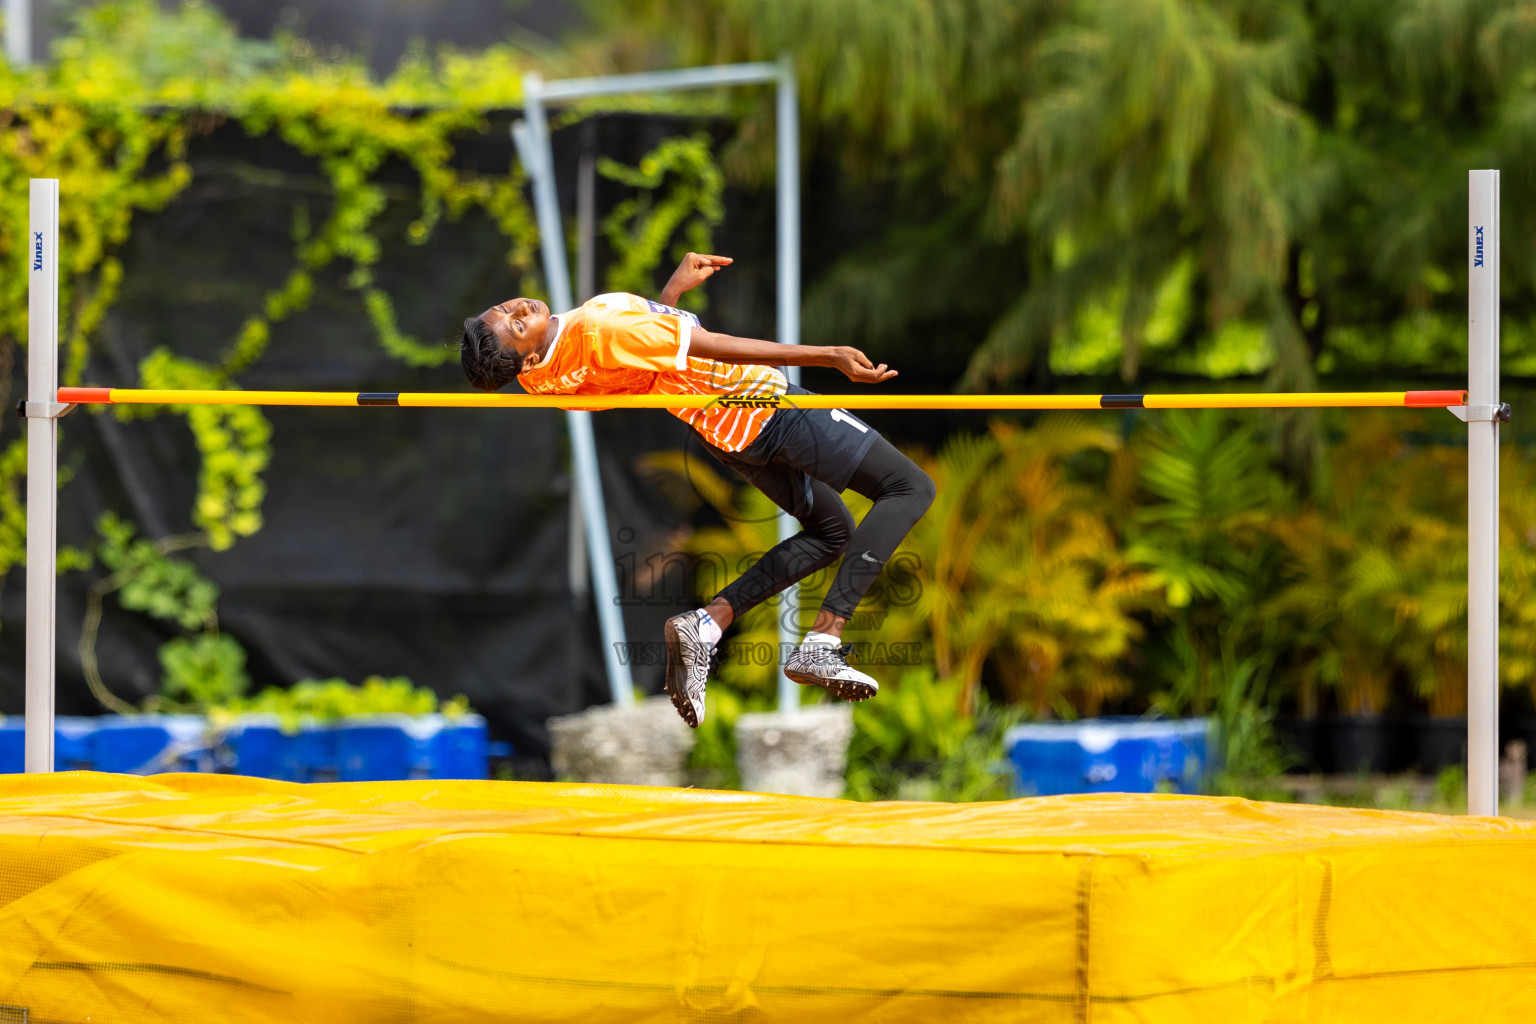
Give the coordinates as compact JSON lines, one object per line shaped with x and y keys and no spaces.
{"x":787,"y":162}
{"x":1483,"y":494}
{"x":42,"y":467}
{"x":586,"y":286}
{"x":538,"y":159}
{"x":18,"y":32}
{"x":787,"y":165}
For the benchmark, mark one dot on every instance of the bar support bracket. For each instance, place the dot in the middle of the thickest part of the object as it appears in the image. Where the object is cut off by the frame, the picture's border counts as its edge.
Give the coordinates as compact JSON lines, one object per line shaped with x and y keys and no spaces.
{"x":43,"y":410}
{"x":1481,"y":413}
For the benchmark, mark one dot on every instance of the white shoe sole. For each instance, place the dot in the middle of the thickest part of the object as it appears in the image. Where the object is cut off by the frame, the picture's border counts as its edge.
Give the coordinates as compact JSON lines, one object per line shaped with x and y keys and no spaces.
{"x":850,"y":690}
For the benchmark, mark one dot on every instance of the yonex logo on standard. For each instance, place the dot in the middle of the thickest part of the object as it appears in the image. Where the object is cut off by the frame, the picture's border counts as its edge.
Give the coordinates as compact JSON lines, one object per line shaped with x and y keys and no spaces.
{"x":37,"y":250}
{"x":1477,"y":255}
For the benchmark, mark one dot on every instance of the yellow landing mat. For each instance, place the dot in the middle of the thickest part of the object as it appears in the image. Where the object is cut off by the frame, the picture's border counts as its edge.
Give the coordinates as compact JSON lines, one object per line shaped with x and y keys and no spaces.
{"x":216,"y":898}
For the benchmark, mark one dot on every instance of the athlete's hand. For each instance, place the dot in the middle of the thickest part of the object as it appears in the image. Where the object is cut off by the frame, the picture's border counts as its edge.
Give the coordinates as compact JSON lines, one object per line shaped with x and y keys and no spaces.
{"x":856,"y":366}
{"x":695,"y":269}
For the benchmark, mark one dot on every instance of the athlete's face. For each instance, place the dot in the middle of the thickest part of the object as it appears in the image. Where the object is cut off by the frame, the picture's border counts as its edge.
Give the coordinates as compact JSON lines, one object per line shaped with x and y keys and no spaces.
{"x":519,"y":324}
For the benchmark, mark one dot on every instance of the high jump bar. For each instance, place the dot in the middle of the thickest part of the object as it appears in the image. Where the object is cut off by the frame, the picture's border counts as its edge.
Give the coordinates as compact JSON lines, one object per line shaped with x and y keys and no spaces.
{"x":450,"y":400}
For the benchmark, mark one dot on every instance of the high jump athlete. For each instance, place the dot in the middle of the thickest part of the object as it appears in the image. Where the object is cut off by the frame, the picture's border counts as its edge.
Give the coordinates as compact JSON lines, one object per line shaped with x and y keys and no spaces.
{"x":621,"y":344}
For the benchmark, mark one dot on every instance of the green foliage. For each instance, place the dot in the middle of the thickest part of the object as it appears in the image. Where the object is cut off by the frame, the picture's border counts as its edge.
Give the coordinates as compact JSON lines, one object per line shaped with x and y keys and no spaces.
{"x":207,"y":669}
{"x":1049,"y":166}
{"x":1375,"y":573}
{"x":202,"y":668}
{"x":1517,"y":569}
{"x":148,"y":581}
{"x":918,"y":720}
{"x":1210,"y":492}
{"x":13,"y":513}
{"x":641,"y":228}
{"x":1235,"y":691}
{"x":113,"y":116}
{"x":908,"y":79}
{"x":103,"y":154}
{"x":234,"y":442}
{"x":1225,"y":594}
{"x":329,"y":700}
{"x":914,"y":743}
{"x":1196,"y":151}
{"x":130,"y":52}
{"x":1213,"y":487}
{"x":85,"y":117}
{"x":351,"y":129}
{"x":1451,"y":787}
{"x":1017,"y":569}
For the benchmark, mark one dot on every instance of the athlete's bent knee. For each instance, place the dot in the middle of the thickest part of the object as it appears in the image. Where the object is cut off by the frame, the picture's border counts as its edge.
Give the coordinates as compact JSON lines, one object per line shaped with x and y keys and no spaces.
{"x":923,"y":491}
{"x":837,"y":531}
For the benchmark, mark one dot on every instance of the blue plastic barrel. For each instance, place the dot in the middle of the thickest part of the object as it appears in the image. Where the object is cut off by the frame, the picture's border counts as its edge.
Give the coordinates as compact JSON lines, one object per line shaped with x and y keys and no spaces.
{"x":263,"y":750}
{"x":364,"y":748}
{"x":72,"y":743}
{"x":315,"y":753}
{"x":460,"y":749}
{"x":1109,"y":755}
{"x":13,"y":745}
{"x":144,"y":744}
{"x":382,"y":748}
{"x":128,"y":745}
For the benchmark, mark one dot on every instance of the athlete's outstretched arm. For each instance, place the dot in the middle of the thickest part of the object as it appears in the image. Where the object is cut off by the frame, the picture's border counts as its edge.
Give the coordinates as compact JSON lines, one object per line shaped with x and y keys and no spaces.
{"x":695,"y":269}
{"x":723,"y":348}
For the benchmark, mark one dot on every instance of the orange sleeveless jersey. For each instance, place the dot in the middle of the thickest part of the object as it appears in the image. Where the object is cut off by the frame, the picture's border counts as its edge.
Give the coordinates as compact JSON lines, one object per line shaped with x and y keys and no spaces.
{"x":622,"y":344}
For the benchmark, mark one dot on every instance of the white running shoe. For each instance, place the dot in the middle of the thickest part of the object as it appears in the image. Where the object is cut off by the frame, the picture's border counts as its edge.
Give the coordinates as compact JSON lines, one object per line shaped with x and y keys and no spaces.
{"x":689,"y":658}
{"x":826,"y":665}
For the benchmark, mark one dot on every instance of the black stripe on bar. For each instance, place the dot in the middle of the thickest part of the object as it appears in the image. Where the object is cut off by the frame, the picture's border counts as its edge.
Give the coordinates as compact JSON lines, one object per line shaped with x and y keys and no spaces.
{"x":378,"y":398}
{"x":1121,"y":401}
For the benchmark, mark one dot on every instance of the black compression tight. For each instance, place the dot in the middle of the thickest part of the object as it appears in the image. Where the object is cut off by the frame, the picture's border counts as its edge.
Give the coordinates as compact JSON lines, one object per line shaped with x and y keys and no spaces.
{"x":901,"y":493}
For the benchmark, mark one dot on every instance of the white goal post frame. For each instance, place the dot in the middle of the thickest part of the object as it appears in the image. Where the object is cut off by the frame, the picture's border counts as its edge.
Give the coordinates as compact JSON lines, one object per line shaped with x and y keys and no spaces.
{"x":532,"y":138}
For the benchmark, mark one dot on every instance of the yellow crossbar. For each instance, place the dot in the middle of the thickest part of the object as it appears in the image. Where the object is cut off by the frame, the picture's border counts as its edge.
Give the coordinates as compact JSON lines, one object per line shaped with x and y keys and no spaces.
{"x":868,"y":400}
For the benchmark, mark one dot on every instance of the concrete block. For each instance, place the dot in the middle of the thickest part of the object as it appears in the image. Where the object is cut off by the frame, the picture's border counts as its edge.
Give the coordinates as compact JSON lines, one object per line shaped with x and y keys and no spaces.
{"x":800,"y":754}
{"x":643,"y":745}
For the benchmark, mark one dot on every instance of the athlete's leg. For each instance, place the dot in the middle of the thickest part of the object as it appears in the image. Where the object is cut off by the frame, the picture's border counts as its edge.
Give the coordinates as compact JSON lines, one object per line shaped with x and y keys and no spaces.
{"x":691,"y":637}
{"x":901,"y":492}
{"x":824,"y":535}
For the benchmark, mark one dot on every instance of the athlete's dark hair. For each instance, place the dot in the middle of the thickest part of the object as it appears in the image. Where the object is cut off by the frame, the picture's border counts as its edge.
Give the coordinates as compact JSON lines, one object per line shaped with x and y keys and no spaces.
{"x":487,"y":364}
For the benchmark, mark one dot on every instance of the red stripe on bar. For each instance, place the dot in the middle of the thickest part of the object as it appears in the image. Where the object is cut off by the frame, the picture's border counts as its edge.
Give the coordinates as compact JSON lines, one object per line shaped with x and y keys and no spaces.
{"x":85,"y":396}
{"x":1434,"y":399}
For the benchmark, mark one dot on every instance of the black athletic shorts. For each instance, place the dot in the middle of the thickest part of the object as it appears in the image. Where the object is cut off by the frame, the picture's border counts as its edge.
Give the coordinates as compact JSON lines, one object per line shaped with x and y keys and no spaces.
{"x":797,"y":446}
